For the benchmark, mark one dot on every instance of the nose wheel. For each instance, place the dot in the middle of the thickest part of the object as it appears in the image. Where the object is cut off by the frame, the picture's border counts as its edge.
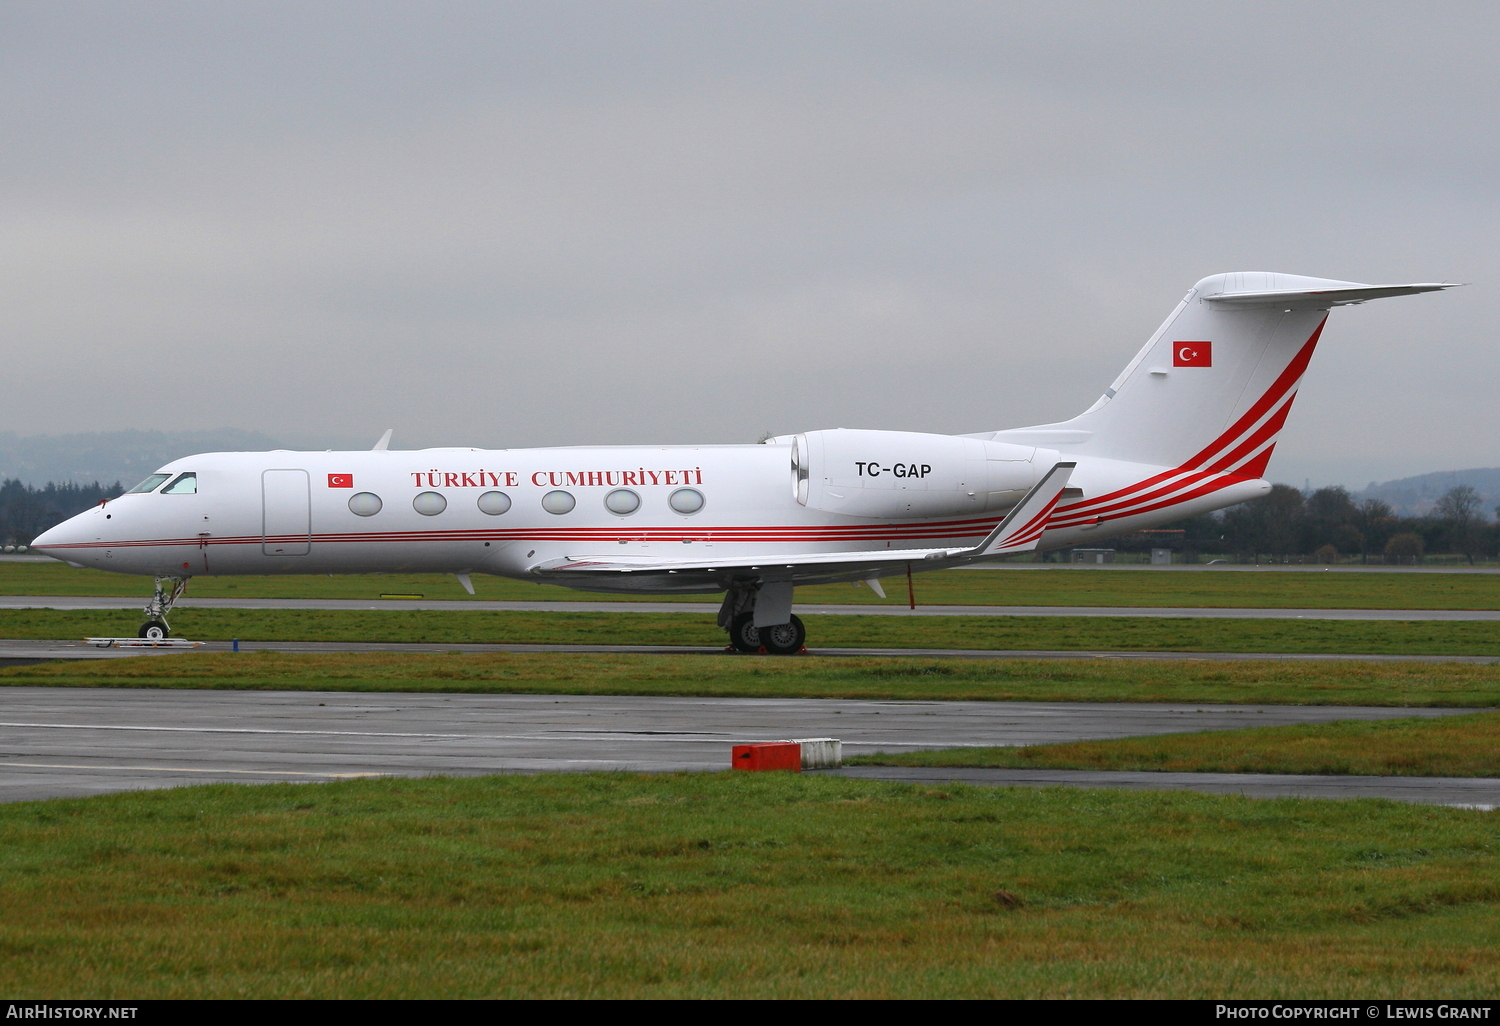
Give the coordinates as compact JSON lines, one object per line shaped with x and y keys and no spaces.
{"x":168,"y":591}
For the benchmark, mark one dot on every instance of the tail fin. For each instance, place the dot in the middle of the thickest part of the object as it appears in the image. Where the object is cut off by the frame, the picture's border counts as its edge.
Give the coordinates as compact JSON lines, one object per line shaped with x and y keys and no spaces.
{"x":1213,"y":387}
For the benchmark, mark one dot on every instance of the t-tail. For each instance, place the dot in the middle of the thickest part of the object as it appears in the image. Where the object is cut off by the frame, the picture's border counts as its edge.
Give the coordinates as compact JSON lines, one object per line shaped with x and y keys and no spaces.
{"x":1202,"y":404}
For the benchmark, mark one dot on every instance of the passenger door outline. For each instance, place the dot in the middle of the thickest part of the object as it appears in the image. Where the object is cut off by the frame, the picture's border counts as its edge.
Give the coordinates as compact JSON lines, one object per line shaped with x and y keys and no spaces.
{"x":286,"y":512}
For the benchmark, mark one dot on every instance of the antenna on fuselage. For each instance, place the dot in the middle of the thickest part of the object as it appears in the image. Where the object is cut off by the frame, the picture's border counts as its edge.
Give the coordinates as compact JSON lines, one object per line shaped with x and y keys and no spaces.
{"x":385,"y":441}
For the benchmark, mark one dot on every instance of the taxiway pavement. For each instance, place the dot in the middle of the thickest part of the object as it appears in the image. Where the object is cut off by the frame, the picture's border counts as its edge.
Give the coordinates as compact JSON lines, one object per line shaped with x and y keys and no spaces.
{"x":68,"y":742}
{"x":710,"y":608}
{"x":20,"y":652}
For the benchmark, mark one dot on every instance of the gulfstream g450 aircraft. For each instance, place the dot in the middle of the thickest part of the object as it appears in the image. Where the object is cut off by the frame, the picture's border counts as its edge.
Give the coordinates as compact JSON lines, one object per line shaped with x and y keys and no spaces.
{"x":1187,"y":427}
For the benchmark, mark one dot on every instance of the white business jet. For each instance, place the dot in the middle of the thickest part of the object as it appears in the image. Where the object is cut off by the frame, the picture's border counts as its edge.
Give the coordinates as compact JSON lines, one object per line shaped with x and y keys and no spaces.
{"x":1187,"y":427}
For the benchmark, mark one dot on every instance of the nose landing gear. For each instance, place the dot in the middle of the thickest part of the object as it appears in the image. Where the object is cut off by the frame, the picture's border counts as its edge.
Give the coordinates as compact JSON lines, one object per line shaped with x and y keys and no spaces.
{"x":168,"y":590}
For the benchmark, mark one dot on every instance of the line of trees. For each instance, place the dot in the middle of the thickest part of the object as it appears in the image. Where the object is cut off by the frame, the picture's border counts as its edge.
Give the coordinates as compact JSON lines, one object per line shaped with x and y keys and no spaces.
{"x":26,"y":512}
{"x":1330,"y":524}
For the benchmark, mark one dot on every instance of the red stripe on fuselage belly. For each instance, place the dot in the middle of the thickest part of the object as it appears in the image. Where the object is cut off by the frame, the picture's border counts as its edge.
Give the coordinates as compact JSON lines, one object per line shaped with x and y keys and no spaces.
{"x":1177,"y":500}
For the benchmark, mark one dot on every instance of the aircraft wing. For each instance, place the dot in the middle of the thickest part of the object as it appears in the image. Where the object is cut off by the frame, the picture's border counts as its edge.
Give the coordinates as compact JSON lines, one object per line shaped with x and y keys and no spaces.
{"x":770,"y":564}
{"x":1020,"y":531}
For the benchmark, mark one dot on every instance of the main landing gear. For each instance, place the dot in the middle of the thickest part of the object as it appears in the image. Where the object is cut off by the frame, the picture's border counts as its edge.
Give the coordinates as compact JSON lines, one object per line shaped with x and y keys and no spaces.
{"x":168,"y":590}
{"x":783,"y":639}
{"x":774,"y":602}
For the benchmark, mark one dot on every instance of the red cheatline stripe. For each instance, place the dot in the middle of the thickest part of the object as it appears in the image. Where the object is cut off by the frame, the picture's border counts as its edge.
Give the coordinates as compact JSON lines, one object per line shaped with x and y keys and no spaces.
{"x":1125,"y":506}
{"x":602,"y":536}
{"x":1158,"y":499}
{"x":876,"y":531}
{"x":1220,"y":482}
{"x":1090,"y":506}
{"x":884,"y":532}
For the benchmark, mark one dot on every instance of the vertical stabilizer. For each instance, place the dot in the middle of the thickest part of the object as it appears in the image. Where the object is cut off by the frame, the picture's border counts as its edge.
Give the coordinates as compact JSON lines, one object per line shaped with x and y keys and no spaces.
{"x":1212,"y":388}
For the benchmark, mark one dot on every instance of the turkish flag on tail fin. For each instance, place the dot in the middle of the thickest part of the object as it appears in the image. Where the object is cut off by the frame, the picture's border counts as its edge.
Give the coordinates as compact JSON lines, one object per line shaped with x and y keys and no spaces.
{"x":1192,"y":354}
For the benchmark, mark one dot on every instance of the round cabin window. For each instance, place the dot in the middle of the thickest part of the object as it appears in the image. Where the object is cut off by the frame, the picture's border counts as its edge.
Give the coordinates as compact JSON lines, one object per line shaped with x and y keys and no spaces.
{"x":558,"y":502}
{"x":686,"y":501}
{"x":622,"y":502}
{"x":364,"y":504}
{"x":429,"y":504}
{"x":494,"y":503}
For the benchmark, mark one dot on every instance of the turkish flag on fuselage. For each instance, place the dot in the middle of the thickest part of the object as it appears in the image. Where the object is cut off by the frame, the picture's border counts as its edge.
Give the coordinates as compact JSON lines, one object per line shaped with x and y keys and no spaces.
{"x":340,"y":480}
{"x":1192,"y":354}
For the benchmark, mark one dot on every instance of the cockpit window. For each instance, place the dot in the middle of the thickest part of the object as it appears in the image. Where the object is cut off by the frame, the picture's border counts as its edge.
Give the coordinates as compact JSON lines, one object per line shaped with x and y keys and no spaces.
{"x":187,"y":484}
{"x":149,"y":485}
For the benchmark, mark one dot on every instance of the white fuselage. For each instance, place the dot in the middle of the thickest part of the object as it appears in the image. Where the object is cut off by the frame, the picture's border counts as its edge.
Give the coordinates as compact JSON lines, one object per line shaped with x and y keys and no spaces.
{"x":290,"y":512}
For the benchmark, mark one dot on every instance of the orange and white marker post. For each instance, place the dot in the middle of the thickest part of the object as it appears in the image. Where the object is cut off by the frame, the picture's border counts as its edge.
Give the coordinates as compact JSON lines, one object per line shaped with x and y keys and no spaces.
{"x":796,"y":756}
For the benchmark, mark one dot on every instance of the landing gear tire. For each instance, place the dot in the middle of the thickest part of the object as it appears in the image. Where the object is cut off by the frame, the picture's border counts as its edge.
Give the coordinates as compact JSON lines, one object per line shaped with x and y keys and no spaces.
{"x":743,"y":634}
{"x":784,"y":638}
{"x":153,"y":630}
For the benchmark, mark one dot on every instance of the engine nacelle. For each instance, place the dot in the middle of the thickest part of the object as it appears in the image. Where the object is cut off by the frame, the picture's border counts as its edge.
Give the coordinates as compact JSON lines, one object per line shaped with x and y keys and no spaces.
{"x":889,"y":474}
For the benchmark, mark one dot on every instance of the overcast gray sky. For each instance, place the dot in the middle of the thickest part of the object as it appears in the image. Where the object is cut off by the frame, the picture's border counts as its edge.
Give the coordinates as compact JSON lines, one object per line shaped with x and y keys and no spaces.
{"x":560,"y":223}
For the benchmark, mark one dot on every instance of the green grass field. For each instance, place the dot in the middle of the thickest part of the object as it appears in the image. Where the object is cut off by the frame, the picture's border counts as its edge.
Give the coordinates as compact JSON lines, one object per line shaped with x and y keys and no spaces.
{"x":1414,"y":637}
{"x":740,"y":885}
{"x":1049,"y":586}
{"x":1281,"y":683}
{"x":775,"y":885}
{"x":1457,"y":746}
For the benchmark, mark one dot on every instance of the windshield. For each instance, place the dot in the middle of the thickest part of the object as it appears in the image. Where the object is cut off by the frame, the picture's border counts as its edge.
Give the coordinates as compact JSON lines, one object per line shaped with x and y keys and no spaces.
{"x":187,"y":484}
{"x":149,"y":484}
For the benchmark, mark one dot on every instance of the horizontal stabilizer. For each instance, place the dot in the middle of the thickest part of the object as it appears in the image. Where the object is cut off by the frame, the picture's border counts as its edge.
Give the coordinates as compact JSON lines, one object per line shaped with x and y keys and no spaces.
{"x":1340,"y":294}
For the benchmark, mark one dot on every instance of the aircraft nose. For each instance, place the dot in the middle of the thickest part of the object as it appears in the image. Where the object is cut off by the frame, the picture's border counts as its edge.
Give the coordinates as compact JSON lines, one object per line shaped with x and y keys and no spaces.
{"x":56,"y":541}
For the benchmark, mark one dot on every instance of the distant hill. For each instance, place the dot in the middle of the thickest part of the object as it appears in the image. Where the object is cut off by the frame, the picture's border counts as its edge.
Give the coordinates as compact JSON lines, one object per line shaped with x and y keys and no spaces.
{"x":109,"y":456}
{"x":1415,"y":496}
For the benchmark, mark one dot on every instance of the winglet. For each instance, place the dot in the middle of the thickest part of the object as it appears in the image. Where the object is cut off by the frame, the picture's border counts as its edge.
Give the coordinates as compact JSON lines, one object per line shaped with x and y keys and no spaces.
{"x":385,"y":441}
{"x":1022,"y":528}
